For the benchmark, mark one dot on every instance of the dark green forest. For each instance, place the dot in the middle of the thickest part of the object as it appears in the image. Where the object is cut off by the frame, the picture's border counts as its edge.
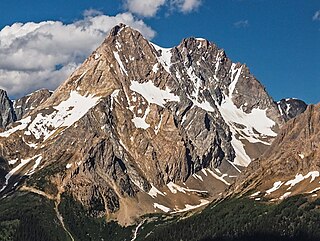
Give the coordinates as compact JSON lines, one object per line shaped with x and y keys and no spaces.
{"x":29,"y":217}
{"x":245,"y":220}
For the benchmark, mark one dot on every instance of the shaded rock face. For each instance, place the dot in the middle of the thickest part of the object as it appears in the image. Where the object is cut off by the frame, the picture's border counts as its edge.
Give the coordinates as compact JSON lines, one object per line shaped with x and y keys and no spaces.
{"x":29,"y":102}
{"x":136,"y":116}
{"x":291,"y":165}
{"x":7,"y":114}
{"x":291,"y":108}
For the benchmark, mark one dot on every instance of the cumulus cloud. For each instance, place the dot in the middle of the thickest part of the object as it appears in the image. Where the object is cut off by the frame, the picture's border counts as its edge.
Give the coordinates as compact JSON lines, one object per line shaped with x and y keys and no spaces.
{"x":241,"y":24}
{"x":149,"y":8}
{"x":42,"y":55}
{"x":186,"y":6}
{"x":316,"y":16}
{"x":145,"y":8}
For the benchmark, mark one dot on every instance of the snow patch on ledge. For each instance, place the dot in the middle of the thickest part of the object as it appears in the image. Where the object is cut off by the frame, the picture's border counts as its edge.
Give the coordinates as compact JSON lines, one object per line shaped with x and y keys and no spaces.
{"x":140,"y":122}
{"x":189,"y":207}
{"x":161,"y":207}
{"x":299,"y":178}
{"x":275,"y":187}
{"x":153,"y":192}
{"x":152,"y":93}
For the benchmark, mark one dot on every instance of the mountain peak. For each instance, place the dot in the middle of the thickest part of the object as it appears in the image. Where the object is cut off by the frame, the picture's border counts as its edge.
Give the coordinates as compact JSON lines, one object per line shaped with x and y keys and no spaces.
{"x":137,"y":120}
{"x":116,"y":29}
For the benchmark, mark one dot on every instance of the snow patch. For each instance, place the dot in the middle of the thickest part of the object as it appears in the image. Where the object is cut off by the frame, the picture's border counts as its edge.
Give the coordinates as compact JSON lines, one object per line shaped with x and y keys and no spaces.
{"x":161,"y":207}
{"x":220,"y":178}
{"x":256,"y":121}
{"x":255,"y":194}
{"x":140,"y":122}
{"x":235,"y":74}
{"x":154,"y":192}
{"x":287,"y":194}
{"x":66,"y":114}
{"x":165,"y":57}
{"x":117,"y":57}
{"x":155,"y":68}
{"x":153,"y":94}
{"x":275,"y":187}
{"x":174,"y":188}
{"x":242,"y":158}
{"x":189,"y":207}
{"x":23,"y":124}
{"x":196,"y":176}
{"x":36,"y":164}
{"x":12,"y":162}
{"x":299,"y":178}
{"x":315,"y":190}
{"x":14,"y":170}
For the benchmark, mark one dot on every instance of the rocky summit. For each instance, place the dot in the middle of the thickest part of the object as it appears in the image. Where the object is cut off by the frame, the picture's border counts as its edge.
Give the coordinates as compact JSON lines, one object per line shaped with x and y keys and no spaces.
{"x":139,"y":129}
{"x":291,"y":108}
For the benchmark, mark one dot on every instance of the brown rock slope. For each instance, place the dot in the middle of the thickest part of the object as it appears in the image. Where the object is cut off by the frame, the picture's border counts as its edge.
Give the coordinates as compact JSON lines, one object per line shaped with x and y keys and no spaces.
{"x":291,"y":165}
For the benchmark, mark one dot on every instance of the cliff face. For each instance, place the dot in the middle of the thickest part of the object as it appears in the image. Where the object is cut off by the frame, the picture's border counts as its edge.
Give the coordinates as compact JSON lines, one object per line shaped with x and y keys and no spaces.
{"x":7,"y":115}
{"x":140,"y":124}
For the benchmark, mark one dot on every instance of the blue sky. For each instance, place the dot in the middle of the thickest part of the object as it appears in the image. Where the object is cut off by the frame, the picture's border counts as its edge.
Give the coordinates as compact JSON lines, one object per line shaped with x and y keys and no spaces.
{"x":277,"y":39}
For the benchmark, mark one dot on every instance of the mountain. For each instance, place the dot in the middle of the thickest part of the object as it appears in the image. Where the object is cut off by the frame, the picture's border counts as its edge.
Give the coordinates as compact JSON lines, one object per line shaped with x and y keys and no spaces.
{"x":291,"y":108}
{"x":137,"y":129}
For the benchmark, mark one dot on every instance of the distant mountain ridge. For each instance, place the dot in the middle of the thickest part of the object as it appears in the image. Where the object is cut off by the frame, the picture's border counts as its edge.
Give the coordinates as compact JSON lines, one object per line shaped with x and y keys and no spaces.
{"x":291,"y":107}
{"x":12,"y":111}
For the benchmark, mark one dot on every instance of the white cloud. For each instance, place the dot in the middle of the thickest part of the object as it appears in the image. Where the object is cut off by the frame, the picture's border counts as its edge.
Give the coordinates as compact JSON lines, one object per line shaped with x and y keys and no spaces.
{"x":92,"y":12}
{"x":42,"y":55}
{"x":186,"y":6}
{"x":145,"y":8}
{"x":149,"y":8}
{"x":241,"y":24}
{"x":316,"y":16}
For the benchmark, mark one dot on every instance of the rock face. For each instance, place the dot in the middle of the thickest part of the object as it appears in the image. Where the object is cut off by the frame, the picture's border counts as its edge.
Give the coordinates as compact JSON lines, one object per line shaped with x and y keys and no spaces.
{"x":29,"y":102}
{"x":137,"y":123}
{"x":291,"y":165}
{"x":7,"y":115}
{"x":291,"y":108}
